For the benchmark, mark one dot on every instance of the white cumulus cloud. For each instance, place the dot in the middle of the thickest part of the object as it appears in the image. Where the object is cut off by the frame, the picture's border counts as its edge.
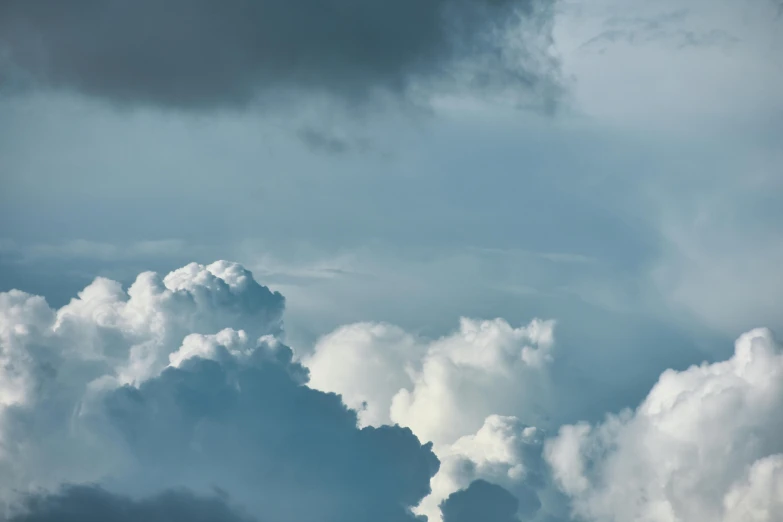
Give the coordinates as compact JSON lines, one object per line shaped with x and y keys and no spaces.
{"x":461,"y":392}
{"x":506,"y":452}
{"x":704,"y":446}
{"x":442,"y":389}
{"x":149,"y":399}
{"x":183,"y":383}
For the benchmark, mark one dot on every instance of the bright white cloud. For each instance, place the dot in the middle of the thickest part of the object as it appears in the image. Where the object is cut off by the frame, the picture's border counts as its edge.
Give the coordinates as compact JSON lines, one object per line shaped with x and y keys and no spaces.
{"x":759,"y":498}
{"x":487,"y":367}
{"x":24,"y":320}
{"x":442,"y":389}
{"x":368,"y":364}
{"x":453,"y":391}
{"x":704,"y":446}
{"x":52,"y":360}
{"x":134,"y":332}
{"x":503,"y":451}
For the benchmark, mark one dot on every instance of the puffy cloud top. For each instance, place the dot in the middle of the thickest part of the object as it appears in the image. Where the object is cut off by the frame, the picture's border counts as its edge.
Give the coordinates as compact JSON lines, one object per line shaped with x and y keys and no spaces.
{"x":704,"y":446}
{"x":130,"y":334}
{"x":505,"y":452}
{"x":466,"y":392}
{"x":441,"y":389}
{"x":142,"y":403}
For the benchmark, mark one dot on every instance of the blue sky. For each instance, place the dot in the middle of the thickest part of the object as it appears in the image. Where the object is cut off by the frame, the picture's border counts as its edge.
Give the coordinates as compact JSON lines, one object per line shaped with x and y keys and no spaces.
{"x":614,"y":167}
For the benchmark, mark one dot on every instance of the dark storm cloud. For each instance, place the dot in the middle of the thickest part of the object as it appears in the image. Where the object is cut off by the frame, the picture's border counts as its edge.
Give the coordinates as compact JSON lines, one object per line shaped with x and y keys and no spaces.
{"x":481,"y":501}
{"x":93,"y":504}
{"x":206,"y":53}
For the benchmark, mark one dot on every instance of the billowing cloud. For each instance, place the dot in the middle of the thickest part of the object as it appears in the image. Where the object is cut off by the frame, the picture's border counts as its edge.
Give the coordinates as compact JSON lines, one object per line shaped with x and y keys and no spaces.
{"x":442,"y":389}
{"x":705,"y":445}
{"x":201,"y":55}
{"x":463,"y":392}
{"x":132,"y":332}
{"x":505,"y":452}
{"x":156,"y":389}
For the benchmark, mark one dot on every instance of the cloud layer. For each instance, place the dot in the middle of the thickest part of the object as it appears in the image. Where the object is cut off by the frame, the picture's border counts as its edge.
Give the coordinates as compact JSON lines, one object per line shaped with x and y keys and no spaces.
{"x":153,"y":402}
{"x":201,"y":55}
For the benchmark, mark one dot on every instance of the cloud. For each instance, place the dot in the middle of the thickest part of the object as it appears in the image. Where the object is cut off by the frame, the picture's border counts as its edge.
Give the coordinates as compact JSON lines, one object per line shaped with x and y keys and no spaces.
{"x":758,"y":498}
{"x":280,"y":448}
{"x":202,"y":55}
{"x":93,"y":504}
{"x":183,"y":383}
{"x":703,"y":446}
{"x":462,"y":392}
{"x":480,"y":501}
{"x":505,"y":452}
{"x":366,"y":364}
{"x":156,"y":313}
{"x":51,"y":359}
{"x":441,"y":389}
{"x":155,"y":389}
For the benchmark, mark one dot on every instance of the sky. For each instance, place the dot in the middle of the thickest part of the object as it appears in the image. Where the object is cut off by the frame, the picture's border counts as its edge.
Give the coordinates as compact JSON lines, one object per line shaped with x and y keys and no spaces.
{"x":342,"y":260}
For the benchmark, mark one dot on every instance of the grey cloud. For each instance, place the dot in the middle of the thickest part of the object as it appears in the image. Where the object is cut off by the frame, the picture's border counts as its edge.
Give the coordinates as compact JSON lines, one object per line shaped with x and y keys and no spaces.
{"x":202,"y":54}
{"x":93,"y":504}
{"x":228,"y":411}
{"x":285,"y":451}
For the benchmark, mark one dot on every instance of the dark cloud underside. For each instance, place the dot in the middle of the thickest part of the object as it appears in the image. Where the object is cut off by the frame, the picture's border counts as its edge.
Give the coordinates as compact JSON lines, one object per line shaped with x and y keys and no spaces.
{"x":93,"y":504}
{"x":285,"y":451}
{"x":203,"y":53}
{"x":481,"y":501}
